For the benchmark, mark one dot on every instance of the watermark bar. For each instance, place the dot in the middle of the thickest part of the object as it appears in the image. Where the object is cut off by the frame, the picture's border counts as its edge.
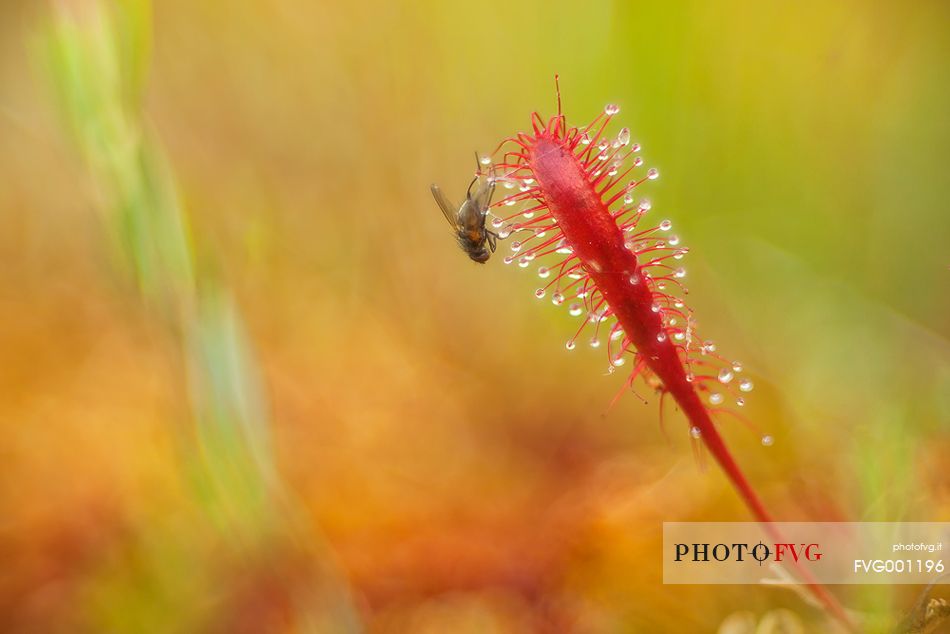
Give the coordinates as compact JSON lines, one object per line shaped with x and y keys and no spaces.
{"x":785,"y":553}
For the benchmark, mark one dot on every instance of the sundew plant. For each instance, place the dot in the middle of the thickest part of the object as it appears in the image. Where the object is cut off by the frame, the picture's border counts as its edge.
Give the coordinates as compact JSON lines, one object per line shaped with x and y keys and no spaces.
{"x":575,"y":218}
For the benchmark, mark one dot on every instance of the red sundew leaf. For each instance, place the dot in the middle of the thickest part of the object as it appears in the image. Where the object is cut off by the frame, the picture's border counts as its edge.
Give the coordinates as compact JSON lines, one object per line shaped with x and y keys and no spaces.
{"x":583,"y":222}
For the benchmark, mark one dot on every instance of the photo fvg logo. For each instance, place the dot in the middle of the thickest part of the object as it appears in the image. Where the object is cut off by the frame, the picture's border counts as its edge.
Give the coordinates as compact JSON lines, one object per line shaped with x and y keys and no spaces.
{"x":712,"y":553}
{"x":759,"y":552}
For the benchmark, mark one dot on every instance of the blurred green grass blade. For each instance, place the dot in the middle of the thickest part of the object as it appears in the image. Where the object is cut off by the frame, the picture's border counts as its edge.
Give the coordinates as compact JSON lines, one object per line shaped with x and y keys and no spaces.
{"x":96,"y":56}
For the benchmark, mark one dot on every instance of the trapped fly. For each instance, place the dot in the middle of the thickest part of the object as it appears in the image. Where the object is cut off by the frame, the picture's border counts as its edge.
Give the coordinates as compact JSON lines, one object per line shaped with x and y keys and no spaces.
{"x":468,"y":219}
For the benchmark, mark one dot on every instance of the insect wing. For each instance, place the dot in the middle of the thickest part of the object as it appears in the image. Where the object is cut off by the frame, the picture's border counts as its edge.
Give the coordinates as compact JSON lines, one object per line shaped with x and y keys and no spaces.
{"x":448,"y":209}
{"x":482,"y":197}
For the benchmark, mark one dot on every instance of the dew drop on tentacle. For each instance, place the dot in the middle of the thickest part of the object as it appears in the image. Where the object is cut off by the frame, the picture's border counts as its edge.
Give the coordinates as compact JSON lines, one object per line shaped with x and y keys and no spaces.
{"x":638,"y":161}
{"x":611,"y":109}
{"x":623,"y":137}
{"x":575,"y":310}
{"x":570,"y":345}
{"x":594,"y":342}
{"x":557,"y":299}
{"x":715,"y":398}
{"x":539,"y":293}
{"x":666,"y":225}
{"x":746,"y":385}
{"x":740,"y":402}
{"x":544,"y":272}
{"x":497,"y":222}
{"x":679,"y":273}
{"x":653,"y":173}
{"x":673,"y":240}
{"x":695,"y":432}
{"x":767,"y":440}
{"x":661,"y":336}
{"x":485,"y":160}
{"x":645,"y":205}
{"x":737,"y":366}
{"x":725,"y":375}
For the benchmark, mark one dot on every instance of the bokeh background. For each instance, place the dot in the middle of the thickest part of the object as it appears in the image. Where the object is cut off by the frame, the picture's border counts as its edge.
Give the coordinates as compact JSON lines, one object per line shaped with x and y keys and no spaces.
{"x":248,"y":383}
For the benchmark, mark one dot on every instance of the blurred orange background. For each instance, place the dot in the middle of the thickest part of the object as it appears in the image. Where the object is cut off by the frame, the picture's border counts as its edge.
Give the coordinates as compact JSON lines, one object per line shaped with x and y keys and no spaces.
{"x":415,"y":450}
